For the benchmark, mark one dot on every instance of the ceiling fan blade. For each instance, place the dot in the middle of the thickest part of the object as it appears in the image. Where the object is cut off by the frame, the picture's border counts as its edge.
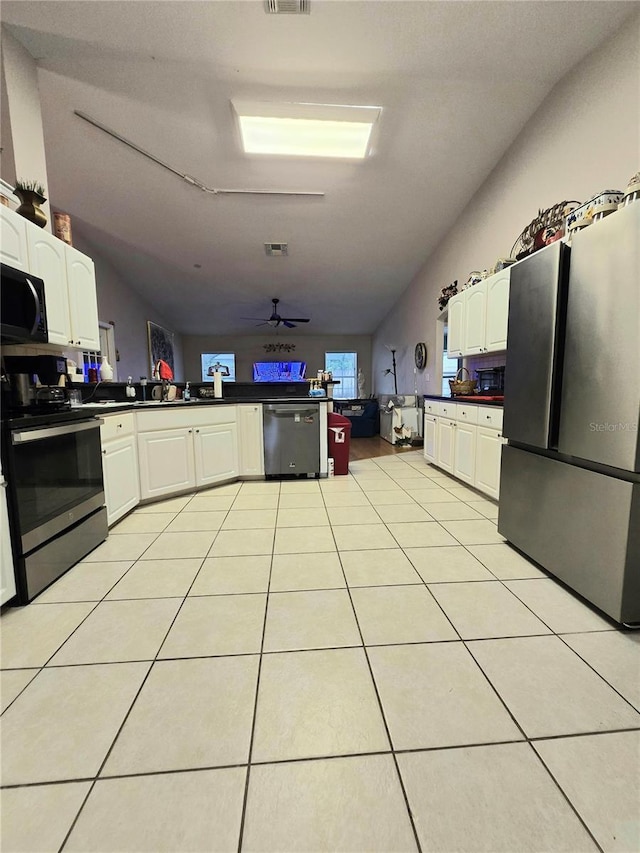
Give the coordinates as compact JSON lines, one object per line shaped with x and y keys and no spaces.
{"x":288,"y":324}
{"x":296,"y":319}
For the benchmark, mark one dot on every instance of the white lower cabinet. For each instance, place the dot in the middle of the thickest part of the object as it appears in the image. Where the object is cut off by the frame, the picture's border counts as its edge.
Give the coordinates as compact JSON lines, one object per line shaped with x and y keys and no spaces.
{"x":489,"y":454}
{"x":7,"y":573}
{"x":251,"y":440}
{"x":446,"y":444}
{"x":430,"y":438}
{"x":466,"y":441}
{"x":120,"y":474}
{"x":119,"y":465}
{"x":216,"y":453}
{"x":166,"y":462}
{"x":464,"y":457}
{"x":185,"y":448}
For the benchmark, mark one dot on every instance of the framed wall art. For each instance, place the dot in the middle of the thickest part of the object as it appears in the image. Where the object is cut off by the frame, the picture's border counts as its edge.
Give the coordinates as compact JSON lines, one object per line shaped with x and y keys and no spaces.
{"x":160,"y":346}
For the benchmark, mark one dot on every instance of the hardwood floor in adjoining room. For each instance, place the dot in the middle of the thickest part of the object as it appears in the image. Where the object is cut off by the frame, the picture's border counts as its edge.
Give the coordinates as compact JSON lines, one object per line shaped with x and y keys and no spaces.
{"x":368,"y":448}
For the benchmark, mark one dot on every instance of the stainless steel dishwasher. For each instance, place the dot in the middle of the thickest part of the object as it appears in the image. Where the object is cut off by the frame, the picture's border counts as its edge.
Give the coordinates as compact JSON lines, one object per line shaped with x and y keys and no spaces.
{"x":291,"y":439}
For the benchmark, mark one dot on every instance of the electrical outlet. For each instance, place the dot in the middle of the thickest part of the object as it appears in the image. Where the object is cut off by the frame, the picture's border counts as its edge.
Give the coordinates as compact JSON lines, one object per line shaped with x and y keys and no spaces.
{"x":427,"y":376}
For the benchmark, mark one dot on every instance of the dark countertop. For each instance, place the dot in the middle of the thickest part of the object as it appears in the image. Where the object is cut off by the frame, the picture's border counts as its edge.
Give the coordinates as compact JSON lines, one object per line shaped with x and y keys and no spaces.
{"x":151,"y":405}
{"x":499,"y":403}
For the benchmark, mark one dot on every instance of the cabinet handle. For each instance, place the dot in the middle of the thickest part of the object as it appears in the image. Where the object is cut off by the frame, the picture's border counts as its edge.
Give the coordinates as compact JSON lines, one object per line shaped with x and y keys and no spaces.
{"x":197,"y":430}
{"x":499,"y":435}
{"x":104,"y":452}
{"x":190,"y":430}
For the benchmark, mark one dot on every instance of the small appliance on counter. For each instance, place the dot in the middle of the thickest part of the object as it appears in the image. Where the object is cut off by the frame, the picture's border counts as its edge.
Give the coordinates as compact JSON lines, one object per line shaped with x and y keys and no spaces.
{"x":490,"y":381}
{"x":34,"y":383}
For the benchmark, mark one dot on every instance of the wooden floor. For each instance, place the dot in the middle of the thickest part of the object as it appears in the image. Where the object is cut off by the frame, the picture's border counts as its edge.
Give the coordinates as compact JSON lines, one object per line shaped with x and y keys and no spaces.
{"x":367,"y":448}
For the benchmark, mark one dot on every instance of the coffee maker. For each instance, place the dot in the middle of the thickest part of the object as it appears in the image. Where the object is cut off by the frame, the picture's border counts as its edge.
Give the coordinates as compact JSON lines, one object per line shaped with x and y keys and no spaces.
{"x":34,"y":382}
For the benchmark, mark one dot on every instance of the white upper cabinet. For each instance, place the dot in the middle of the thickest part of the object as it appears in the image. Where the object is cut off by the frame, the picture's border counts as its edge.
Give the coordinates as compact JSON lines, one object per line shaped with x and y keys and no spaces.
{"x":69,"y":279}
{"x":478,"y":317}
{"x":13,"y":240}
{"x":455,"y":325}
{"x":83,"y":303}
{"x":497,"y":311}
{"x":475,"y":313}
{"x":47,"y":260}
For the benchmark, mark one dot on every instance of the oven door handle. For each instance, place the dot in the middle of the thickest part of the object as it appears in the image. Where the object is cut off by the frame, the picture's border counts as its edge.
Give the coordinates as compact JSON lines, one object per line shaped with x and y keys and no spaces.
{"x":52,"y":432}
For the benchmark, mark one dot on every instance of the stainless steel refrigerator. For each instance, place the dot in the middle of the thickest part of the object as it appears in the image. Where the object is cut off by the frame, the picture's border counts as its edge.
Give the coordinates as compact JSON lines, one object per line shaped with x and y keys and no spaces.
{"x":570,"y":479}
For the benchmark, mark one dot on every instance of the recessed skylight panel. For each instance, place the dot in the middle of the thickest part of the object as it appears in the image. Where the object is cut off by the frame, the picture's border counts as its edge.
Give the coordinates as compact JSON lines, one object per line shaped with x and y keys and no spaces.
{"x":306,"y":130}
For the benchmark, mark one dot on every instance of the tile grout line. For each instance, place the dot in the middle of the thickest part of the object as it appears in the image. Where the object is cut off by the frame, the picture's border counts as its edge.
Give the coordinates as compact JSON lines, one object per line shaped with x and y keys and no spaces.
{"x":255,"y":702}
{"x":328,"y":757}
{"x":382,"y":714}
{"x":128,"y":713}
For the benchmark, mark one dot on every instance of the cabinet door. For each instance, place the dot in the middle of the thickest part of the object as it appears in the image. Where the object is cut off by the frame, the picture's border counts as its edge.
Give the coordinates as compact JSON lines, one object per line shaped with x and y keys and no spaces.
{"x":455,"y":325}
{"x":13,"y":240}
{"x":47,"y":259}
{"x":251,"y":440}
{"x":488,"y":456}
{"x":497,"y":311}
{"x":120,"y":473}
{"x":7,"y":573}
{"x":216,"y":453}
{"x":83,"y":305}
{"x":445,"y":444}
{"x":474,"y":319}
{"x":430,"y":435}
{"x":465,"y":452}
{"x":166,"y":462}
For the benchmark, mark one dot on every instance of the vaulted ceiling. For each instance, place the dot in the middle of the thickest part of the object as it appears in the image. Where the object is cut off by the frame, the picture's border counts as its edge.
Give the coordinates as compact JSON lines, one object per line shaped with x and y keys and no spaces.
{"x":457,"y":81}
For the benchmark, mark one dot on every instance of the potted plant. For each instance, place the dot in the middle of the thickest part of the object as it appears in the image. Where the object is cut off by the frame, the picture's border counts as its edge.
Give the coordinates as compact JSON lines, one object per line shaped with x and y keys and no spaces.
{"x":31,"y":195}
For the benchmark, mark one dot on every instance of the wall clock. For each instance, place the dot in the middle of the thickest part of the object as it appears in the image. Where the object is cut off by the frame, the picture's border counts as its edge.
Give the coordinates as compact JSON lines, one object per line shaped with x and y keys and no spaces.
{"x":421,"y":355}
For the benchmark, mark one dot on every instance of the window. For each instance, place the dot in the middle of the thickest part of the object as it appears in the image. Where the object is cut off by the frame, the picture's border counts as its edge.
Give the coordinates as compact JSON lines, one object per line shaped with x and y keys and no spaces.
{"x":450,"y":367}
{"x":344,"y":369}
{"x":225,"y":362}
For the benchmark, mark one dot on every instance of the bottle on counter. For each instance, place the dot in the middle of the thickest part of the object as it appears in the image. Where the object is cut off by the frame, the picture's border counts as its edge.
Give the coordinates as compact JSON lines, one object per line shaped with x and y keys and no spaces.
{"x":187,"y":392}
{"x":130,"y":391}
{"x":106,"y":371}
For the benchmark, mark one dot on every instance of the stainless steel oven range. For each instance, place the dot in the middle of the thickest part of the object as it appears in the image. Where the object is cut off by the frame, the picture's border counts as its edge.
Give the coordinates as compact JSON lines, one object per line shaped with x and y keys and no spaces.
{"x":53,"y":465}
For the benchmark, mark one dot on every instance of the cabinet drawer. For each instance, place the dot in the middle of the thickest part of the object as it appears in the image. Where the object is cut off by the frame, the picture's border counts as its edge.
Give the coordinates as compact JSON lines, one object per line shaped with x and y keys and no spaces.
{"x":431,"y":407}
{"x":182,"y":417}
{"x":117,"y":426}
{"x":467,"y":413}
{"x":448,"y":410}
{"x":490,"y":416}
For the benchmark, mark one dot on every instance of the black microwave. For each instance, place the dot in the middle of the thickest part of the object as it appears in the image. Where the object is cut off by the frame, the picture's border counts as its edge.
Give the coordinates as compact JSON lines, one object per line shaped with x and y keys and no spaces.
{"x":23,"y":315}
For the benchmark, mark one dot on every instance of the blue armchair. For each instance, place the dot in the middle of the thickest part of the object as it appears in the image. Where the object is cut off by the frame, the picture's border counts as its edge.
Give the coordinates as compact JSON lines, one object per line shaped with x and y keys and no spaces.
{"x":367,"y":423}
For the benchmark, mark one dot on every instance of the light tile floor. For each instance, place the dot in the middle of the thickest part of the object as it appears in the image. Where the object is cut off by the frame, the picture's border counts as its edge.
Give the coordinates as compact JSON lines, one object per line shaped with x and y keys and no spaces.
{"x":353,"y":664}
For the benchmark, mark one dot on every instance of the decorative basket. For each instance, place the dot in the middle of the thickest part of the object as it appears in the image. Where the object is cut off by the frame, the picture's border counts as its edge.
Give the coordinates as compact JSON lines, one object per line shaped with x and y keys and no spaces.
{"x":462,"y":387}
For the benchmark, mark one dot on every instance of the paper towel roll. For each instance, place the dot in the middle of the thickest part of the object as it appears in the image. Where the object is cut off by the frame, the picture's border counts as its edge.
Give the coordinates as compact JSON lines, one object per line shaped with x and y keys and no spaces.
{"x":217,"y":384}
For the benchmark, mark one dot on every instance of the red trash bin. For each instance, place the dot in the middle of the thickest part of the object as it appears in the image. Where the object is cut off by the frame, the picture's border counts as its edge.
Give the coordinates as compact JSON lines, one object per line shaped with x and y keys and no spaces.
{"x":339,"y":442}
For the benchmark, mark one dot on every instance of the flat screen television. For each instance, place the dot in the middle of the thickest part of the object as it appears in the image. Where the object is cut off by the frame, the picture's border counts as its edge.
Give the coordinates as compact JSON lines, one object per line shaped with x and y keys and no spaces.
{"x":279,"y":371}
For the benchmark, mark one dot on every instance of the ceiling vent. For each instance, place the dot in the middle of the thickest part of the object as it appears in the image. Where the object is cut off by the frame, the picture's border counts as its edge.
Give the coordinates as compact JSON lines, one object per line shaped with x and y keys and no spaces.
{"x":287,"y":7}
{"x":276,"y":250}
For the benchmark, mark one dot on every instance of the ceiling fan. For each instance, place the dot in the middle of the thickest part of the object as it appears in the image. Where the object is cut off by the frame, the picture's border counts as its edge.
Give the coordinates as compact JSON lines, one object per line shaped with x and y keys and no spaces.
{"x":275,"y":319}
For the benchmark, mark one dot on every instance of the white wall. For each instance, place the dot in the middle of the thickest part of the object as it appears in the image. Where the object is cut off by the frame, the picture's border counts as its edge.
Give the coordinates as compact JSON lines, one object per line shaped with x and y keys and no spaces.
{"x":117,"y":302}
{"x":27,"y":159}
{"x":585,"y":137}
{"x":250,"y":348}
